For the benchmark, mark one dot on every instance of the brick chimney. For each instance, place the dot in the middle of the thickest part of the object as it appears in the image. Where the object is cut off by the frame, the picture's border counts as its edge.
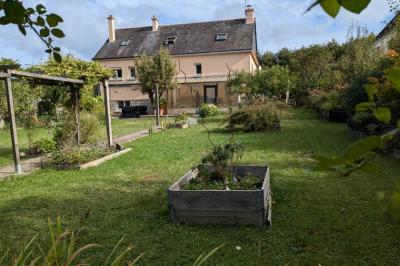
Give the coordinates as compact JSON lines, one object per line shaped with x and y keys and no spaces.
{"x":111,"y":28}
{"x":250,"y":17}
{"x":154,"y":21}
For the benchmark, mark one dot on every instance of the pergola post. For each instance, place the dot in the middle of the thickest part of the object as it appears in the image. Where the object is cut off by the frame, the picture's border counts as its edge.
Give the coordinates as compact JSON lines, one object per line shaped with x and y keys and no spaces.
{"x":13,"y":124}
{"x":106,"y":93}
{"x":76,"y":109}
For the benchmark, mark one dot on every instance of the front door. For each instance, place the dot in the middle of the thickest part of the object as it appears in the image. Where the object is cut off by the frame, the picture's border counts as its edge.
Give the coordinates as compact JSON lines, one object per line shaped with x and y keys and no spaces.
{"x":210,"y":94}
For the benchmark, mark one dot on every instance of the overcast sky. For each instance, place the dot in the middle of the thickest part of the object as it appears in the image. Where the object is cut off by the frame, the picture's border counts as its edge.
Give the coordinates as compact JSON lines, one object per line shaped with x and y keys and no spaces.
{"x":280,"y":23}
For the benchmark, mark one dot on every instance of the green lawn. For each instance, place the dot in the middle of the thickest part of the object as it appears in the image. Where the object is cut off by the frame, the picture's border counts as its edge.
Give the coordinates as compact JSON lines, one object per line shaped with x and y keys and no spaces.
{"x":318,"y":218}
{"x":120,"y":127}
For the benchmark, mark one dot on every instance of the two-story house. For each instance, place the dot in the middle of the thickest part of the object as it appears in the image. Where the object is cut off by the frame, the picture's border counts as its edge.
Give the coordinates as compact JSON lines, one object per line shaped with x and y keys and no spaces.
{"x":386,"y":34}
{"x":204,"y":54}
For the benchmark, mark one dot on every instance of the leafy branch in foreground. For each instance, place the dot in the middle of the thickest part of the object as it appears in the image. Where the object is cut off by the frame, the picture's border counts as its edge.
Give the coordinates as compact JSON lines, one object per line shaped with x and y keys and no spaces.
{"x":332,"y":7}
{"x":43,"y":24}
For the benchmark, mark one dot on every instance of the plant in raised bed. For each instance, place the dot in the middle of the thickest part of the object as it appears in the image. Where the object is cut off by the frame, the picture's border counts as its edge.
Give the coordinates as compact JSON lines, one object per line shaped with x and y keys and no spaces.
{"x":220,"y":191}
{"x":184,"y":120}
{"x":74,"y":156}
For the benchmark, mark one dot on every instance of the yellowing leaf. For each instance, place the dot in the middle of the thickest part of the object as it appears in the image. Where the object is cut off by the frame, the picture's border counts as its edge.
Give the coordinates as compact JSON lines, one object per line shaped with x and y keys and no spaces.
{"x":383,"y":114}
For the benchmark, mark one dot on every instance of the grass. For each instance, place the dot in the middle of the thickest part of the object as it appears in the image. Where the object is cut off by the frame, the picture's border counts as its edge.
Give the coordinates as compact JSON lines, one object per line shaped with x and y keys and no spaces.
{"x":120,"y":127}
{"x":318,"y":218}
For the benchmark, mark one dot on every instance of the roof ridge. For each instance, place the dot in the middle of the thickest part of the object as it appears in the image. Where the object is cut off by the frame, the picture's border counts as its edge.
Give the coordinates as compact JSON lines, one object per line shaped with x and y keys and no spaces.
{"x":180,"y":24}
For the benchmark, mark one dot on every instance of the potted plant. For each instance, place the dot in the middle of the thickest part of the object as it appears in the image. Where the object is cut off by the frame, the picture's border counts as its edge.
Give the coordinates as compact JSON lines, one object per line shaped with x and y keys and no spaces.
{"x":163,"y":106}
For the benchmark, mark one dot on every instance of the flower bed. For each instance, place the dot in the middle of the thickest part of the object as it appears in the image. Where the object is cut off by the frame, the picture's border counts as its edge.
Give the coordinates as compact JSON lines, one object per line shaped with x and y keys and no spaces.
{"x":80,"y":158}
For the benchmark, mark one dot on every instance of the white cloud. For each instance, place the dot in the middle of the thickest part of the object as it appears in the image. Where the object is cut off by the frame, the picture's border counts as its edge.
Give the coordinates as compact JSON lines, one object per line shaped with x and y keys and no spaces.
{"x":279,"y":23}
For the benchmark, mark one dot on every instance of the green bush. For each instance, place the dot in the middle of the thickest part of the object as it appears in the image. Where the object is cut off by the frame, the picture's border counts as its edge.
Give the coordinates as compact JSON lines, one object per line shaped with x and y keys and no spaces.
{"x":209,"y":110}
{"x":75,"y":155}
{"x":45,"y":145}
{"x":65,"y":129}
{"x":255,"y":118}
{"x":315,"y":99}
{"x":90,"y":127}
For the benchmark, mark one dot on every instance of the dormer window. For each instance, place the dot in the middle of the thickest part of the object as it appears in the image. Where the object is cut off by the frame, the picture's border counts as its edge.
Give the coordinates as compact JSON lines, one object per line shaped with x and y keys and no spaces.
{"x":124,"y":43}
{"x":170,"y":40}
{"x":221,"y":37}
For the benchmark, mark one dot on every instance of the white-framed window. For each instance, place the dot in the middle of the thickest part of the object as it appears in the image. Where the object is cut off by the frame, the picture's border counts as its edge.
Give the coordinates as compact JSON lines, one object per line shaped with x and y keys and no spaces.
{"x":118,"y":73}
{"x":198,"y":69}
{"x":132,"y":72}
{"x":220,"y":37}
{"x":122,"y":104}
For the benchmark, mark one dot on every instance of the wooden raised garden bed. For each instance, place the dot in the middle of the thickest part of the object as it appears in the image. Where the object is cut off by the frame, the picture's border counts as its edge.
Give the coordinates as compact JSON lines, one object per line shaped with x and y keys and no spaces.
{"x":222,"y":206}
{"x":334,"y":115}
{"x":90,"y":164}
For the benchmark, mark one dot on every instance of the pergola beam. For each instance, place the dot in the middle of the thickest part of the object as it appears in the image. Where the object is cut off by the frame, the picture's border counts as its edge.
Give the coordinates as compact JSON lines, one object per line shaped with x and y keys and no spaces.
{"x":44,"y":77}
{"x":4,"y":75}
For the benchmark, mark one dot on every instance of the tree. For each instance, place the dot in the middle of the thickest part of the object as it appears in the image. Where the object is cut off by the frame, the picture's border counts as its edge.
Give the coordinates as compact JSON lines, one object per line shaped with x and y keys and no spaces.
{"x":277,"y":79}
{"x":43,"y":24}
{"x":160,"y":70}
{"x":269,"y":82}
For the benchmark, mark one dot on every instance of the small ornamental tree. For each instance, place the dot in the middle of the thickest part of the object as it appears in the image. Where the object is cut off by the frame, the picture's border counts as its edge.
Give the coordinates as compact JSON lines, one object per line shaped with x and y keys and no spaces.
{"x":160,"y":70}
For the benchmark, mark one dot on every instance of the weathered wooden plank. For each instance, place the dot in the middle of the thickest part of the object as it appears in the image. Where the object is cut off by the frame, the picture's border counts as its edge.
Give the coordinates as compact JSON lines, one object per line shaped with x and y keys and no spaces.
{"x":106,"y":92}
{"x":4,"y":75}
{"x":217,"y":200}
{"x":219,"y":217}
{"x":45,"y":77}
{"x":222,"y":206}
{"x":13,"y":125}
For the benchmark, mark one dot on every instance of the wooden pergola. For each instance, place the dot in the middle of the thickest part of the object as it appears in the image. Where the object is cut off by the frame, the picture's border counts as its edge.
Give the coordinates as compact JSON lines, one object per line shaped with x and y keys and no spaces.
{"x":9,"y":72}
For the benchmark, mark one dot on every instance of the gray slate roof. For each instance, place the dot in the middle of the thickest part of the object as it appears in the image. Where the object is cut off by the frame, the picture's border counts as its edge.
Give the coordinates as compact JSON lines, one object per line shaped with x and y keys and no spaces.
{"x":387,"y":28}
{"x":192,"y":38}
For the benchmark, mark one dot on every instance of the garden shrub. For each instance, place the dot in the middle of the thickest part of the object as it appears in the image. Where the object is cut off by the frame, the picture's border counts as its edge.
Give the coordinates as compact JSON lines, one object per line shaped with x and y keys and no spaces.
{"x":315,"y":99}
{"x":333,"y":100}
{"x":90,"y":127}
{"x":65,"y":129}
{"x":75,"y":155}
{"x":184,"y":119}
{"x":45,"y":145}
{"x":209,"y":110}
{"x":259,"y":117}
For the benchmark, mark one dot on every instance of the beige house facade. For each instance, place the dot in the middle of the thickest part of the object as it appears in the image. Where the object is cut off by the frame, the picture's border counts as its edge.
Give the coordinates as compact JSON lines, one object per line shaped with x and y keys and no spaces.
{"x":385,"y":35}
{"x":205,"y":54}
